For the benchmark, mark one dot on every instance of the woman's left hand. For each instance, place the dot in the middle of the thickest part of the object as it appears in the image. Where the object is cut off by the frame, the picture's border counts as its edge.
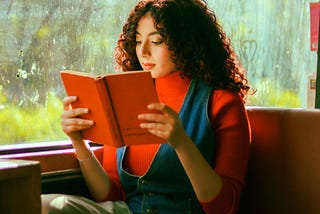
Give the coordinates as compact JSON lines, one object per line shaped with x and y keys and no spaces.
{"x":165,"y":124}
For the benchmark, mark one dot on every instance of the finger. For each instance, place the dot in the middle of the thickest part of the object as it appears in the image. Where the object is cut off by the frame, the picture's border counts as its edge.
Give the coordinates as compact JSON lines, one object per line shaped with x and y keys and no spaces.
{"x":67,"y":102}
{"x":76,"y":122}
{"x":159,"y":133}
{"x":74,"y":112}
{"x":156,"y":106}
{"x":71,"y":129}
{"x":161,"y":107}
{"x":152,"y":117}
{"x":155,"y":126}
{"x":72,"y":125}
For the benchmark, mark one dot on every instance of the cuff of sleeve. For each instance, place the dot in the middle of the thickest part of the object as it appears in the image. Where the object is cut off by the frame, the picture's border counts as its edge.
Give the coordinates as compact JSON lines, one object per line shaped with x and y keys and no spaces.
{"x":224,"y":202}
{"x":116,"y":193}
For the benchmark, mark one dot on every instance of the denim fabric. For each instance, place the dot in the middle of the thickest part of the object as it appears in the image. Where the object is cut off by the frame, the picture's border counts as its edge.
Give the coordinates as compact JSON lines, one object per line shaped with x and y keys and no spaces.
{"x":165,"y":188}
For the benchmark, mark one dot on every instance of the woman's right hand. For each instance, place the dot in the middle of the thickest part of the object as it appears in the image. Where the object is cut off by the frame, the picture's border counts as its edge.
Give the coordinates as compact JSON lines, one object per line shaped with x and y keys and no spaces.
{"x":70,"y":121}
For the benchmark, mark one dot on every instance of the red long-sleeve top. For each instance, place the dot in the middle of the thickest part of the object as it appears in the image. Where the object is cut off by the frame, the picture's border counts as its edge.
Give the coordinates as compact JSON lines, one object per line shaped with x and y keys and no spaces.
{"x":231,"y":127}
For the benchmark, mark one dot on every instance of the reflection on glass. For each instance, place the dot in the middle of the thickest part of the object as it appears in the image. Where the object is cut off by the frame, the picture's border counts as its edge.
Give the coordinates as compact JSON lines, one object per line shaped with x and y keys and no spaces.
{"x":40,"y":38}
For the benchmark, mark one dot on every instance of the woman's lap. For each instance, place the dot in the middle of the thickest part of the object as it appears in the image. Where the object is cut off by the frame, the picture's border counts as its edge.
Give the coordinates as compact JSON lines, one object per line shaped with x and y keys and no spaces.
{"x":60,"y":203}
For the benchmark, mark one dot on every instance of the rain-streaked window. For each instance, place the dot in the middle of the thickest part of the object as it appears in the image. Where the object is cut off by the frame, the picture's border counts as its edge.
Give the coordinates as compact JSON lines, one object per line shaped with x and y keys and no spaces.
{"x":40,"y":38}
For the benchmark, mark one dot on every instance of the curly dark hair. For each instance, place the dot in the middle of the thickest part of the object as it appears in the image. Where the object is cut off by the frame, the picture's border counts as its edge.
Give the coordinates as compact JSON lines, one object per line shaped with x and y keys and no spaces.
{"x":199,"y":46}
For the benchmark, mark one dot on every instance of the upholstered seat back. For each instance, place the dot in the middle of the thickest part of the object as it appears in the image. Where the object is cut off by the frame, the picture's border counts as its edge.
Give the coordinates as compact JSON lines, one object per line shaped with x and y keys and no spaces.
{"x":284,"y":166}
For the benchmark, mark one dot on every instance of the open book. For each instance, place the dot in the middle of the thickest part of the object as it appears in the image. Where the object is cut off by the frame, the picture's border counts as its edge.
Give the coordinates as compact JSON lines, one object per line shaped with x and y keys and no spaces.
{"x":115,"y":100}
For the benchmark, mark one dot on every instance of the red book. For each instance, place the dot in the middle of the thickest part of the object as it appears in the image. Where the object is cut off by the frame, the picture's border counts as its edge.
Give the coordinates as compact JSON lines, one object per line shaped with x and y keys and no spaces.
{"x":115,"y":100}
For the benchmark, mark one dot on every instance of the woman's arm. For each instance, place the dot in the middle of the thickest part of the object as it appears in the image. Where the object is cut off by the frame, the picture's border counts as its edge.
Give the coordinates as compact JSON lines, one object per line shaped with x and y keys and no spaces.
{"x":206,"y":182}
{"x":231,"y":127}
{"x":96,"y":178}
{"x":233,"y":139}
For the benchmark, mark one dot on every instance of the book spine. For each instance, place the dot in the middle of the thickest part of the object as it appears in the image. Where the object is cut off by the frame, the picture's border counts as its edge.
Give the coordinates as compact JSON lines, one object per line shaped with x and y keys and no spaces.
{"x":113,"y":128}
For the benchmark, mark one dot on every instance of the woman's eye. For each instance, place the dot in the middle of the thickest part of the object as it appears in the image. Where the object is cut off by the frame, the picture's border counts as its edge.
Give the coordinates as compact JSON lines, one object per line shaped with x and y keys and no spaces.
{"x":157,"y":42}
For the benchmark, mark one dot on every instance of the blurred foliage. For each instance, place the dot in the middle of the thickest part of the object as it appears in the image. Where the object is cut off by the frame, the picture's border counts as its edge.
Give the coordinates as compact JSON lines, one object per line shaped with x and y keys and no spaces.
{"x":31,"y":124}
{"x":272,"y":39}
{"x":38,"y":38}
{"x":267,"y":96}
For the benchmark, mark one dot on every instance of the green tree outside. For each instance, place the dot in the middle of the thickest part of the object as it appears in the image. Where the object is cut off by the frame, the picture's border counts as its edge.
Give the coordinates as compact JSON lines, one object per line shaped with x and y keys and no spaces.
{"x":40,"y":38}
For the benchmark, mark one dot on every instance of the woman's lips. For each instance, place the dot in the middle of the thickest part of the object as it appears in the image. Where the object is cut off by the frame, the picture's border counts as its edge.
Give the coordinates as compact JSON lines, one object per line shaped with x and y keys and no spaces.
{"x":148,"y":66}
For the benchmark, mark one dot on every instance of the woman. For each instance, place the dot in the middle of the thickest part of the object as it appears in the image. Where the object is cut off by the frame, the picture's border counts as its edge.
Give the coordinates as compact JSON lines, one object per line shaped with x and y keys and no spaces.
{"x":202,"y":88}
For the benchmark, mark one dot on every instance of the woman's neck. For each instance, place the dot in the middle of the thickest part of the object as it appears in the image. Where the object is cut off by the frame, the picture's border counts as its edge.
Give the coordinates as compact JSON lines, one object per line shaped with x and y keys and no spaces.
{"x":172,"y":89}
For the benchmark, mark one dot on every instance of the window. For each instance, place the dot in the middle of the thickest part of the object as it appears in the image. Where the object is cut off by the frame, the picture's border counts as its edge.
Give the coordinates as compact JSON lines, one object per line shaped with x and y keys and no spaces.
{"x":272,"y":39}
{"x":40,"y":38}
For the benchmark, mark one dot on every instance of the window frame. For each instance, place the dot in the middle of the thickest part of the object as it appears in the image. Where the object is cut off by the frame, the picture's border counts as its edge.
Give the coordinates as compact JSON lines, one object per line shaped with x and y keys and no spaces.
{"x":317,"y":101}
{"x":27,"y":148}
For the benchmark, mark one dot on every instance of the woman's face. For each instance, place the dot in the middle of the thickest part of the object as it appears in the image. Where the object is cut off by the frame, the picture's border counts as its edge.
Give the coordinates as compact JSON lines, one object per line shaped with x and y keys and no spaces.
{"x":152,"y":52}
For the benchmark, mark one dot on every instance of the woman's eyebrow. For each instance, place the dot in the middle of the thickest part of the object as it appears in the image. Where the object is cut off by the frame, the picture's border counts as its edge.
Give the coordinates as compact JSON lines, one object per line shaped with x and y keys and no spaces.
{"x":150,"y":34}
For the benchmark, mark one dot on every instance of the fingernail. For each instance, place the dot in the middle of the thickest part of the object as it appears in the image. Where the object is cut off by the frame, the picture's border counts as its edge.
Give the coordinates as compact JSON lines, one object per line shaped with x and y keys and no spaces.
{"x":142,"y":125}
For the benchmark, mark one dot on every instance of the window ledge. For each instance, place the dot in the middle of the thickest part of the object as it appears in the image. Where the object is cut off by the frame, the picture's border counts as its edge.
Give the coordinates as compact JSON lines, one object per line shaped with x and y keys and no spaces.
{"x":34,"y":147}
{"x":53,"y":156}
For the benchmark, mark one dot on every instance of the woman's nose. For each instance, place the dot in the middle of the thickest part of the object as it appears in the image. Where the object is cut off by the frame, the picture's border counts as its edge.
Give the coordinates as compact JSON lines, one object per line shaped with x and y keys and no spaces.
{"x":144,"y":50}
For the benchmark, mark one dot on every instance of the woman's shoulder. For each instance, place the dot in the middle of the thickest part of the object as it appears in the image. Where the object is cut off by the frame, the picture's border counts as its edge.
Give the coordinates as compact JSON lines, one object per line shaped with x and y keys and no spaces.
{"x":226,"y":96}
{"x":226,"y":102}
{"x":227,"y":107}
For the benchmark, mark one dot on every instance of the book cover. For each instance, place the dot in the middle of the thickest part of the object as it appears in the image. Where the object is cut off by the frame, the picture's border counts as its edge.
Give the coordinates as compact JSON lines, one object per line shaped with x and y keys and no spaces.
{"x":115,"y":100}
